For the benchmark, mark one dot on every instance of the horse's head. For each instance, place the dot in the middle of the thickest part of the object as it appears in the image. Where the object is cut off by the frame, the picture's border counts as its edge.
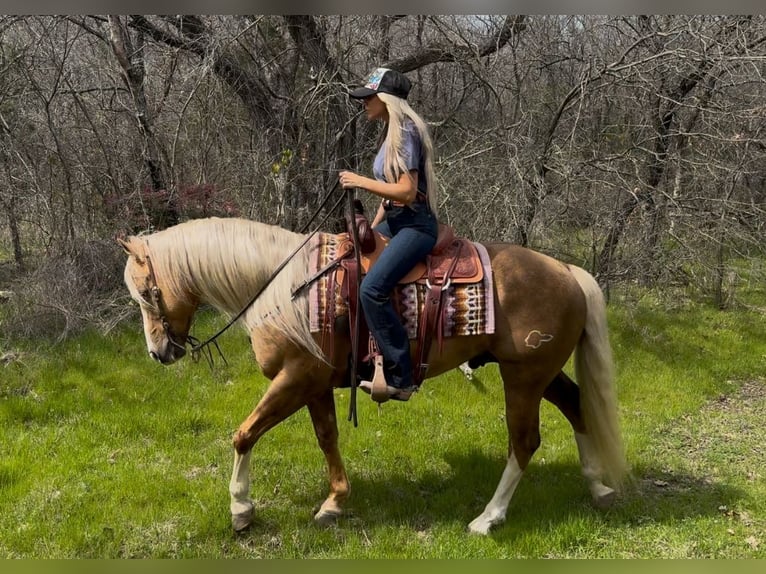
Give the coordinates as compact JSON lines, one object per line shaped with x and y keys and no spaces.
{"x":167,"y":316}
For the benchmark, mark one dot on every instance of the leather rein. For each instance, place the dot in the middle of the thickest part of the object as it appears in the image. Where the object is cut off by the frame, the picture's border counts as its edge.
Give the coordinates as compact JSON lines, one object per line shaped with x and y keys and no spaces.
{"x":197,"y":346}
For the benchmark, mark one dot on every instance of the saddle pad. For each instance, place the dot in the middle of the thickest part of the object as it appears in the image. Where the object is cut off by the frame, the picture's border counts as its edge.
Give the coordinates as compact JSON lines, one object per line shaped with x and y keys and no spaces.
{"x":469,"y":307}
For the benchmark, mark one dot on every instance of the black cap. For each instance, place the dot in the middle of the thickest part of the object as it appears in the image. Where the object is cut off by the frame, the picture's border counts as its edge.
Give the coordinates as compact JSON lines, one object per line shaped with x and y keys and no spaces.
{"x":385,"y":81}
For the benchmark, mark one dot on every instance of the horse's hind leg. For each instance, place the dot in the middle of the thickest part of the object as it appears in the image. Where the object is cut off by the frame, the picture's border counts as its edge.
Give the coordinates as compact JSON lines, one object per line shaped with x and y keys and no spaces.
{"x":565,"y":394}
{"x":322,"y":412}
{"x":522,"y":413}
{"x":603,"y":496}
{"x":494,"y":512}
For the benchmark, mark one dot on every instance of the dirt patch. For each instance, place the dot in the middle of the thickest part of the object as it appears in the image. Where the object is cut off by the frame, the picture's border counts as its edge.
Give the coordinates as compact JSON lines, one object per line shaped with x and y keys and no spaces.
{"x":749,"y":393}
{"x":726,"y":437}
{"x":721,"y":447}
{"x":731,"y":429}
{"x":714,"y":462}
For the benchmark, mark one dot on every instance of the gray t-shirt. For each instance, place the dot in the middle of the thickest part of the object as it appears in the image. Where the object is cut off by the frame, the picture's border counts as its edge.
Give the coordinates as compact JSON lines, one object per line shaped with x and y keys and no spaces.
{"x":412,"y":154}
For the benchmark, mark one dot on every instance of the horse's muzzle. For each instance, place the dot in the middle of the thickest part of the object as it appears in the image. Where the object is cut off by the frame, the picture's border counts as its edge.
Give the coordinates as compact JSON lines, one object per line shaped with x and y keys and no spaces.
{"x":171,"y":354}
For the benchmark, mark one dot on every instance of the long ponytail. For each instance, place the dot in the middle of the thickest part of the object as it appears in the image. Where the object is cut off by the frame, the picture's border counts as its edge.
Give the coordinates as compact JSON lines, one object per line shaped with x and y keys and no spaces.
{"x":393,"y":163}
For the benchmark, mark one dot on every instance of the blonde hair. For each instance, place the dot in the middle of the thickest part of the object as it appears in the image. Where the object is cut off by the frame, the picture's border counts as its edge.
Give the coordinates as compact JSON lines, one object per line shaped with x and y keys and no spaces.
{"x":393,"y":162}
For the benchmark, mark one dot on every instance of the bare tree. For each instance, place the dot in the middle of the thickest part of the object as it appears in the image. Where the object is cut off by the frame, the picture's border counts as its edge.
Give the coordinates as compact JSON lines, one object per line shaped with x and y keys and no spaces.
{"x":633,"y":145}
{"x":129,"y":52}
{"x":9,"y":198}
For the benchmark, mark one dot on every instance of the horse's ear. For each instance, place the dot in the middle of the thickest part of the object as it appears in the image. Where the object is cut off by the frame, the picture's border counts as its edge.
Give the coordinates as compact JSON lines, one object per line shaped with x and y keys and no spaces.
{"x":133,"y":247}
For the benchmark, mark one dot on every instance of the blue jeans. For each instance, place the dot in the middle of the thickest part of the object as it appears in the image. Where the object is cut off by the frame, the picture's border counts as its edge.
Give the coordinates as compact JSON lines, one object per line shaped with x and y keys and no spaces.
{"x":413,"y":233}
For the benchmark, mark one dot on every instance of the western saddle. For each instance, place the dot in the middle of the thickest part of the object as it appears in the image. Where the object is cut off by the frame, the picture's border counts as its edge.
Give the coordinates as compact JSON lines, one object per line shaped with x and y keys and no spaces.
{"x":453,"y":260}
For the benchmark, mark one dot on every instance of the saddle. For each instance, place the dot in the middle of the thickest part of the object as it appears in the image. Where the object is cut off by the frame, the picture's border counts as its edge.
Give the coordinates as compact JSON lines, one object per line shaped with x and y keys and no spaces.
{"x":452,"y":260}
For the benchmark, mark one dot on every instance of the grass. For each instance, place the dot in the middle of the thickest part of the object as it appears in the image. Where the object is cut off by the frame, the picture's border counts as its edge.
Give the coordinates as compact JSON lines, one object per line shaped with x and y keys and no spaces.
{"x":104,"y":454}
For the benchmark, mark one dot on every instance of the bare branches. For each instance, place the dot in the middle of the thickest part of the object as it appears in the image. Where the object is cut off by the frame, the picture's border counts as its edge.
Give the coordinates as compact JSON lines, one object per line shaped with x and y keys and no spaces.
{"x":450,"y":53}
{"x":634,"y":145}
{"x":193,"y":36}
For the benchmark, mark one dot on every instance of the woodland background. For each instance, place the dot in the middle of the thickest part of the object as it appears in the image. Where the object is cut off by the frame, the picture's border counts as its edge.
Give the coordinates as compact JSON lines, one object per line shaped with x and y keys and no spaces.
{"x":631,"y":145}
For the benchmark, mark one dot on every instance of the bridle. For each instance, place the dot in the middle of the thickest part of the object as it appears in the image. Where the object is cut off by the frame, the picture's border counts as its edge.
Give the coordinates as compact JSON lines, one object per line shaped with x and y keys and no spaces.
{"x":155,"y":298}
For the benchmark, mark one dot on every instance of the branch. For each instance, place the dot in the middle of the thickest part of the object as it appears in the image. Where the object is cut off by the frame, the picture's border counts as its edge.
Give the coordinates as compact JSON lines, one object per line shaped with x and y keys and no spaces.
{"x":81,"y":23}
{"x":432,"y":54}
{"x":141,"y":23}
{"x":249,"y":85}
{"x":310,"y":42}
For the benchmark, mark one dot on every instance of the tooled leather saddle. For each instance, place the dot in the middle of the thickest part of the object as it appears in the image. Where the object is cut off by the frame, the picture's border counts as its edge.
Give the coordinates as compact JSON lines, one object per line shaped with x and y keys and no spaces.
{"x":453,"y":260}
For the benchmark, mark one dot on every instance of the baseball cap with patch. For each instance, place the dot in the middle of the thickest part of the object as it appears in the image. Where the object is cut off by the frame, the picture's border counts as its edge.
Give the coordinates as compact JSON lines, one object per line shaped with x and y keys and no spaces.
{"x":385,"y":81}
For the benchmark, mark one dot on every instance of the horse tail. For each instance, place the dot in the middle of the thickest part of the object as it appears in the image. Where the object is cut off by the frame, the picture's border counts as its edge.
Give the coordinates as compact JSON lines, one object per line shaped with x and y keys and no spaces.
{"x":594,"y":371}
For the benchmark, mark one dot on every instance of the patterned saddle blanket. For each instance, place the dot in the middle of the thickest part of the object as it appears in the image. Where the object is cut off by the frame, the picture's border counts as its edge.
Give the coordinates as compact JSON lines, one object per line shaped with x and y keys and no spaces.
{"x":467,"y":300}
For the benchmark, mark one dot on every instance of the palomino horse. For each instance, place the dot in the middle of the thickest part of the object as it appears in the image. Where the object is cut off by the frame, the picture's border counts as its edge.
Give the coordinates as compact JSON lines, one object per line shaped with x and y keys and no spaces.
{"x":544,"y":311}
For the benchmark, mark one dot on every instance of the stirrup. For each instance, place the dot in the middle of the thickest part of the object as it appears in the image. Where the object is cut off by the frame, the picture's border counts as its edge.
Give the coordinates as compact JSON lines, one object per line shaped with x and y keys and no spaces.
{"x":380,"y":391}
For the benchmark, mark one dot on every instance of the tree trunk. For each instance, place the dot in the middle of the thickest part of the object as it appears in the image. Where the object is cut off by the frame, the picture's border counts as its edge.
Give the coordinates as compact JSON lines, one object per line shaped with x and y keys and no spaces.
{"x":9,"y":204}
{"x":131,"y":60}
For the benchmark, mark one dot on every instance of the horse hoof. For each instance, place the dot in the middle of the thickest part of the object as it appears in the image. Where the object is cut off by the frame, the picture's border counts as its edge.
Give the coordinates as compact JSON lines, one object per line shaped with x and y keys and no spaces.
{"x":480,"y":526}
{"x":326,"y":518}
{"x":243,"y":520}
{"x":604,"y":498}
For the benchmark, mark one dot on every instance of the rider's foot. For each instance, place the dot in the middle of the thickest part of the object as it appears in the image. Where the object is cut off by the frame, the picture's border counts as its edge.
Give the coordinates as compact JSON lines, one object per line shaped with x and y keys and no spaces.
{"x":394,"y":393}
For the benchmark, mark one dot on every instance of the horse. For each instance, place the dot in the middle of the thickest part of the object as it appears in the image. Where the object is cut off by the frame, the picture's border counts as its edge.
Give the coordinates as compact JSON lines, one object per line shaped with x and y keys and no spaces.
{"x":545,"y":311}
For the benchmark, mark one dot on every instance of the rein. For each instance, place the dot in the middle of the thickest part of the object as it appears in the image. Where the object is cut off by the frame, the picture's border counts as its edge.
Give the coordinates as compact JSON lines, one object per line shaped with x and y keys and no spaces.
{"x":355,"y":327}
{"x":197,"y":348}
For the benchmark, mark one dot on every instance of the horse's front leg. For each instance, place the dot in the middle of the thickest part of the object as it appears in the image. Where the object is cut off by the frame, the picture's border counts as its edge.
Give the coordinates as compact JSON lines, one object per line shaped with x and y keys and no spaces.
{"x":242,"y":508}
{"x":284,"y":396}
{"x":322,"y":410}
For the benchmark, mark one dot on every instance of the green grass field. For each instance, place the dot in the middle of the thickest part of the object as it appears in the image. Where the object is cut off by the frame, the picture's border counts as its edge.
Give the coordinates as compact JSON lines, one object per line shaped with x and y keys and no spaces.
{"x":105,"y":454}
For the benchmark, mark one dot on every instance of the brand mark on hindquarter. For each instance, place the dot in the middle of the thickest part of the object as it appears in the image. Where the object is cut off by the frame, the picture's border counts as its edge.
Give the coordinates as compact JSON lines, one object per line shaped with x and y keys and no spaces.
{"x":535,"y":338}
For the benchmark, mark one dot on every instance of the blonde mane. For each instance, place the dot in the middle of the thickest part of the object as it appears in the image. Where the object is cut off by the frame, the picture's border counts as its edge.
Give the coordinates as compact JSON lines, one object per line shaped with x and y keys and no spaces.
{"x":224,"y":262}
